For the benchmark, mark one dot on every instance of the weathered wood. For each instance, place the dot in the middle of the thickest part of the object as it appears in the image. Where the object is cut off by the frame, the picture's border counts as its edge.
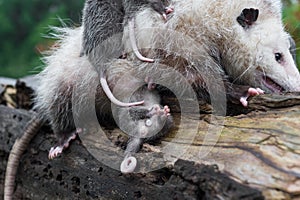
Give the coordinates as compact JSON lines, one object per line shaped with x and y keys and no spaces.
{"x":76,"y":174}
{"x":259,"y":149}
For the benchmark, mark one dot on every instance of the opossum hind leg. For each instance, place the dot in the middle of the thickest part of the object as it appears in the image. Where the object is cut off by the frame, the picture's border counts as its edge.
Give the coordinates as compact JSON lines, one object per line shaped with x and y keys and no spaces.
{"x":63,"y":144}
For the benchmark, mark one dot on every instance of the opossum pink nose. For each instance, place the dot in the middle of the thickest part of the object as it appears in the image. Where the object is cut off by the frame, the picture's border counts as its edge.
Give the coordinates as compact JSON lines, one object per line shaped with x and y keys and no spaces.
{"x":169,"y":10}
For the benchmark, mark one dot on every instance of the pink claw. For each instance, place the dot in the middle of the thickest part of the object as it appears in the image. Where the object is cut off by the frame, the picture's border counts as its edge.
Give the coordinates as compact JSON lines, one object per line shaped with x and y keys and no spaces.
{"x":167,"y":111}
{"x":169,"y":10}
{"x":55,"y":151}
{"x":251,"y":92}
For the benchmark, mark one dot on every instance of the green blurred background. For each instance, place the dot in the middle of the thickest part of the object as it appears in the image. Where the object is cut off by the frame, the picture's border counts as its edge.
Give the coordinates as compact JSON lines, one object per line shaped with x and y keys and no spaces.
{"x":24,"y":26}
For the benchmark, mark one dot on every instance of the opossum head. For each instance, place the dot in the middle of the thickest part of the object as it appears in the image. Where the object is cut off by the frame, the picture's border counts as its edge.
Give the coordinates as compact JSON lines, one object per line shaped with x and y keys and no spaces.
{"x":269,"y":63}
{"x":246,"y":39}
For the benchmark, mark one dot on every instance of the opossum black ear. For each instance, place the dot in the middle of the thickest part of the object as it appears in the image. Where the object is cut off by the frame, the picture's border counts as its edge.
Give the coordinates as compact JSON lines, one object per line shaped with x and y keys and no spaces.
{"x":247,"y":17}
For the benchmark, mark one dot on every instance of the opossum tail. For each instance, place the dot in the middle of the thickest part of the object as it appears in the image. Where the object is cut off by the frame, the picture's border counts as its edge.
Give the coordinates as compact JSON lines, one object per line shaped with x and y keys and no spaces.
{"x":17,"y":151}
{"x":133,"y":43}
{"x":112,"y":98}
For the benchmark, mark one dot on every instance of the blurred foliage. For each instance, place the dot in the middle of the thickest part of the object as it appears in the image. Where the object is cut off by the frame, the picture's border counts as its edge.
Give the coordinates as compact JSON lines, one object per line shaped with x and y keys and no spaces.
{"x":291,"y":18}
{"x":24,"y":25}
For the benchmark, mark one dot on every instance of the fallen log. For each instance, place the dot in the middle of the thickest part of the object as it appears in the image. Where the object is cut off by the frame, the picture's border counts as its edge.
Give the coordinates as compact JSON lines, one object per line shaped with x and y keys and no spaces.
{"x":254,"y":155}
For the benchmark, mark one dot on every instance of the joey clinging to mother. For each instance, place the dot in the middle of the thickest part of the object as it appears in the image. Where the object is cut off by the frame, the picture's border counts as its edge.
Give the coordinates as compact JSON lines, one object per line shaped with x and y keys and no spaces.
{"x":244,"y":42}
{"x":104,"y":19}
{"x":65,"y":70}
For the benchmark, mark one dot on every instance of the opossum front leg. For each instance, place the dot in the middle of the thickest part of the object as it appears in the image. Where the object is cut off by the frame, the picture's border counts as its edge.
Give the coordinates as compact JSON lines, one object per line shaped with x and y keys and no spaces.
{"x":251,"y":92}
{"x":150,"y":125}
{"x":241,"y":93}
{"x":55,"y":151}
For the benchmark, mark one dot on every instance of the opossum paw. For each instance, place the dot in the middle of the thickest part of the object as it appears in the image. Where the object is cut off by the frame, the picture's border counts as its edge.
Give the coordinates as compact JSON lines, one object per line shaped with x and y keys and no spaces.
{"x":54,"y":152}
{"x":251,"y":92}
{"x":128,"y":165}
{"x":168,"y":10}
{"x":157,"y":110}
{"x":255,"y":91}
{"x":166,"y":110}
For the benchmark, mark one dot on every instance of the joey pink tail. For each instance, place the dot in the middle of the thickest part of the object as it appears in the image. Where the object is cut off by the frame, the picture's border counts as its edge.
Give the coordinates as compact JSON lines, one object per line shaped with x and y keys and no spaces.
{"x":112,"y":98}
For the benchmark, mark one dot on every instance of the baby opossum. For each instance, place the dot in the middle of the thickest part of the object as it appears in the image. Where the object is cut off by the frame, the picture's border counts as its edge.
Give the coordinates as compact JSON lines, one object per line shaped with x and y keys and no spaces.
{"x":149,"y":122}
{"x":103,"y":19}
{"x":56,"y":104}
{"x":241,"y":42}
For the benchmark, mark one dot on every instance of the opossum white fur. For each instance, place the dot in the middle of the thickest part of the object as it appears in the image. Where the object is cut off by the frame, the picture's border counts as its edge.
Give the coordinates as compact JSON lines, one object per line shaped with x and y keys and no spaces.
{"x":103,"y":19}
{"x":66,"y":73}
{"x":245,"y":55}
{"x":69,"y":88}
{"x":239,"y":55}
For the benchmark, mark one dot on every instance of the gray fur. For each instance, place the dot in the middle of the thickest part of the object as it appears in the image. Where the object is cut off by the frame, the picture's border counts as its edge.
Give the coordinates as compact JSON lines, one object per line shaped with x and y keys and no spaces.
{"x":146,"y":120}
{"x":293,"y":48}
{"x":218,"y":50}
{"x":204,"y":41}
{"x":104,"y":18}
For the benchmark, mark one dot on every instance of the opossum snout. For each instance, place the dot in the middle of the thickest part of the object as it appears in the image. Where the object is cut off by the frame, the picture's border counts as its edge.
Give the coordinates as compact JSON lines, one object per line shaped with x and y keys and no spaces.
{"x":272,"y":85}
{"x":293,"y":77}
{"x":288,"y":80}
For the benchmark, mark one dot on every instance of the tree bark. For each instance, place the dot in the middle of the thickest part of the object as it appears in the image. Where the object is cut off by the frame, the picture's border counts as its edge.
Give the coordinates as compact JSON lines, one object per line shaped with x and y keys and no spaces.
{"x":254,"y":155}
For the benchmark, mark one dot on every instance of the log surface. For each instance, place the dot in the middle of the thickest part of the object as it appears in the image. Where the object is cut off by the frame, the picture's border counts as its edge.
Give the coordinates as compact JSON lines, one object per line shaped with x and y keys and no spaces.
{"x":254,"y":155}
{"x":77,"y":174}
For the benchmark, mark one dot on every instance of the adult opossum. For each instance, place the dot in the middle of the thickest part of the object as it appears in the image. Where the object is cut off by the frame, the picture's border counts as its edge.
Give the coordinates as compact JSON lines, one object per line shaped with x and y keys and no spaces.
{"x":103,"y":19}
{"x":56,"y":100}
{"x":242,"y":42}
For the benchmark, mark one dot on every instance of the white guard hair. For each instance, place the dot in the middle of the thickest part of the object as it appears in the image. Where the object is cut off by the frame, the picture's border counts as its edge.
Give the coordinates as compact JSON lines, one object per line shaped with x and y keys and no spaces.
{"x":246,"y":55}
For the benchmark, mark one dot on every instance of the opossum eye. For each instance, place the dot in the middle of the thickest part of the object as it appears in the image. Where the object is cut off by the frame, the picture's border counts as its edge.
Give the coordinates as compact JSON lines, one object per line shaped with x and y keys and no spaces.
{"x":278,"y":57}
{"x":148,"y":122}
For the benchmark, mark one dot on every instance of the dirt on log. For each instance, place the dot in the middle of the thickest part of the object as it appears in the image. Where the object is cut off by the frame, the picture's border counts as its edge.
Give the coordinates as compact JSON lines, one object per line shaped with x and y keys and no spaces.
{"x":254,"y":155}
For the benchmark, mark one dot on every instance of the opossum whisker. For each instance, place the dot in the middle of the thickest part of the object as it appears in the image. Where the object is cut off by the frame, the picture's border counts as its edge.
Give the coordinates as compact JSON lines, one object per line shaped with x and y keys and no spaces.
{"x":241,"y":75}
{"x":263,"y":71}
